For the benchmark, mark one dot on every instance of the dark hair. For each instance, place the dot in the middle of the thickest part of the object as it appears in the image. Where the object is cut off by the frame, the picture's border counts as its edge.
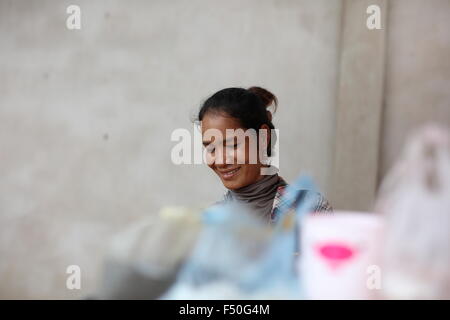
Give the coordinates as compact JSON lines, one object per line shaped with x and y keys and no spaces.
{"x":249,"y":106}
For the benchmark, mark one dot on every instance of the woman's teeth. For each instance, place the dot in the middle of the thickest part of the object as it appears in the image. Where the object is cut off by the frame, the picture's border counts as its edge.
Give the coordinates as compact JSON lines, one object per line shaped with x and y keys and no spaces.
{"x":231,"y":173}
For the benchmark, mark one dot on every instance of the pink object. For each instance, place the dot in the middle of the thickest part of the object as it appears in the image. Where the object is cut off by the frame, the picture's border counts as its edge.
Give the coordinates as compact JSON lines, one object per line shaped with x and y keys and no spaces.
{"x":335,"y":254}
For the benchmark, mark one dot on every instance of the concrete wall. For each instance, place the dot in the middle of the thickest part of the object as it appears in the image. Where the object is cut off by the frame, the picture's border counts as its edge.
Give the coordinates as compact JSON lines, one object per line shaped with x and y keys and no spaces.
{"x":391,"y":81}
{"x":359,"y":107}
{"x":86,"y":116}
{"x":417,"y":72}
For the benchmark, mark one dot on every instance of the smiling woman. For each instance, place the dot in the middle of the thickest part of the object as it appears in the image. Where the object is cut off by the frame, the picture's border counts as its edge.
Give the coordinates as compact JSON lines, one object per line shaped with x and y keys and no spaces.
{"x":244,"y":111}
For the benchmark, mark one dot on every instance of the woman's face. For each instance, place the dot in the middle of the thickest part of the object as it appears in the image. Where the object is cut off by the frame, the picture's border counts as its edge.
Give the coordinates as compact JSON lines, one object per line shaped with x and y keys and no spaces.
{"x":222,"y":156}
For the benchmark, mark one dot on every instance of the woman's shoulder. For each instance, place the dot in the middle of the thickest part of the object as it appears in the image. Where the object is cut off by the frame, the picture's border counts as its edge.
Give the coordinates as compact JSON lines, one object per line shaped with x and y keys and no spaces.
{"x":319,"y":202}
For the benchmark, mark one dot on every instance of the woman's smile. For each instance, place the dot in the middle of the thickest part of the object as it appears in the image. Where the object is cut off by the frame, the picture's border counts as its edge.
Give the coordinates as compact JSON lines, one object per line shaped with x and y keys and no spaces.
{"x":229,"y":173}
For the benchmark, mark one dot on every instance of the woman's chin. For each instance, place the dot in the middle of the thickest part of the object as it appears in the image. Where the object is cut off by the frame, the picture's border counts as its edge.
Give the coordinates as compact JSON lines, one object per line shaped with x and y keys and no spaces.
{"x":232,"y":184}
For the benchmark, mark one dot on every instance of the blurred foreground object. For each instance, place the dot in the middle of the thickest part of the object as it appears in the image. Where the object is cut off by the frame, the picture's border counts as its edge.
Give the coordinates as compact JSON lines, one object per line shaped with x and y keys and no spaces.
{"x":144,"y":260}
{"x":338,"y":254}
{"x":238,"y":256}
{"x":415,"y":200}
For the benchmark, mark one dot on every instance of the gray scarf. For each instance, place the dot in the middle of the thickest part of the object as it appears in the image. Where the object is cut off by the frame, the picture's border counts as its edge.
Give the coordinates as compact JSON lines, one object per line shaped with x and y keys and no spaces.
{"x":258,"y":196}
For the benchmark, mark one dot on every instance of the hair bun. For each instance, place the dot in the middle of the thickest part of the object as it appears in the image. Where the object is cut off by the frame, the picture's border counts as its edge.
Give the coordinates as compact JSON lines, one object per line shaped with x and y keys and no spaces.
{"x":267,"y":97}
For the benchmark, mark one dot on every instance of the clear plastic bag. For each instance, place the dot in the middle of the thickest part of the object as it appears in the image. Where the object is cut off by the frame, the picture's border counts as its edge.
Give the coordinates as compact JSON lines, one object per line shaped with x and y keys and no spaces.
{"x":239,"y":256}
{"x":415,"y":201}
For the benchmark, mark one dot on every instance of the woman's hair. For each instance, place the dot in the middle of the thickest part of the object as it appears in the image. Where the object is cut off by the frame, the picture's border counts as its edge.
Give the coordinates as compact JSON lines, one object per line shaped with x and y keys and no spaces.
{"x":248,"y":106}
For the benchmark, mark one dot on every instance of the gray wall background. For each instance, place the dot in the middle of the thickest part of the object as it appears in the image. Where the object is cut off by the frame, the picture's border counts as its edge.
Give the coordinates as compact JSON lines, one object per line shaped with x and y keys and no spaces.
{"x":86,"y":115}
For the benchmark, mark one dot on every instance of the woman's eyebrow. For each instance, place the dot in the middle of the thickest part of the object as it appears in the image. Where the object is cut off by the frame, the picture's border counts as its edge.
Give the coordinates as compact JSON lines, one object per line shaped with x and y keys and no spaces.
{"x":205,"y":143}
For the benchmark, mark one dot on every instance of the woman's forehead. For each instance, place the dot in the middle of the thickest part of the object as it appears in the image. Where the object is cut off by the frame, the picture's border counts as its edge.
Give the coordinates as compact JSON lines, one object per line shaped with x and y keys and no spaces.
{"x":220,"y":122}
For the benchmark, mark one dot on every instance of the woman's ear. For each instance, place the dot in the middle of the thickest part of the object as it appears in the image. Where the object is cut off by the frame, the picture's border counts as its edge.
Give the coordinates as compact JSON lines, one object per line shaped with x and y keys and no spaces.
{"x":266,"y":127}
{"x":268,"y":136}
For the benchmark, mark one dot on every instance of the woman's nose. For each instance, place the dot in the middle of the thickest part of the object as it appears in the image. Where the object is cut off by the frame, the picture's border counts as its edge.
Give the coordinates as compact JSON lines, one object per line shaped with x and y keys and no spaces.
{"x":224,"y":157}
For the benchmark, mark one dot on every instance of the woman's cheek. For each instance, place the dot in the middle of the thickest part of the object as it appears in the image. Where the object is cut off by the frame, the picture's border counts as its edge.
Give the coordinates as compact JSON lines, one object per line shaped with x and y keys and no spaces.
{"x":241,"y":156}
{"x":209,"y":158}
